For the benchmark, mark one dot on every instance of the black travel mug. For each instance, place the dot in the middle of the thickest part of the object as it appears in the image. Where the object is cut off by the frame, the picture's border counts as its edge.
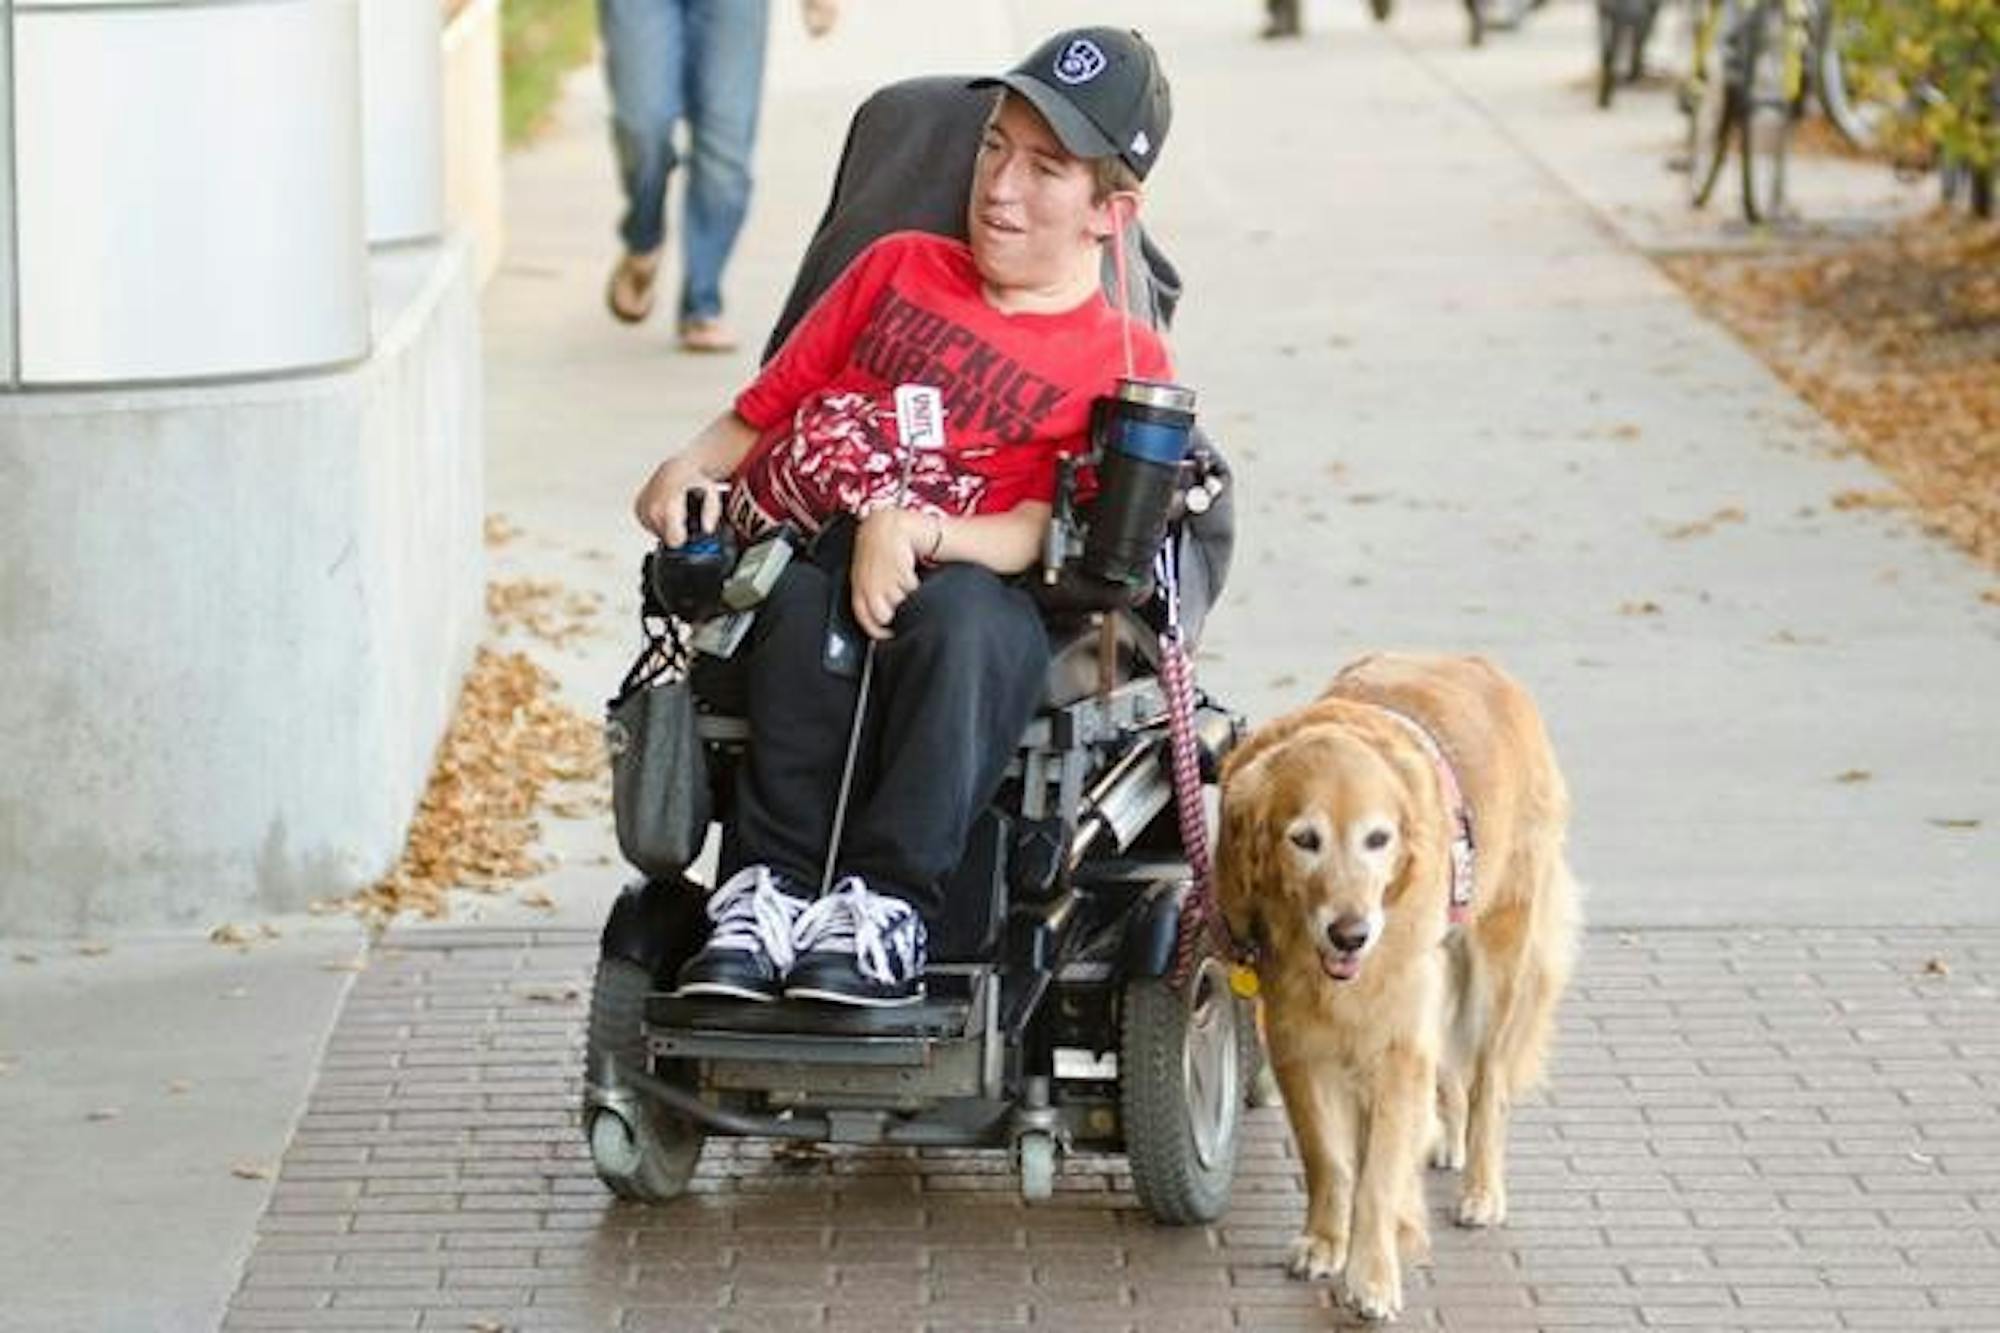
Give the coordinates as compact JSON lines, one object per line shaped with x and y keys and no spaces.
{"x":1142,"y":433}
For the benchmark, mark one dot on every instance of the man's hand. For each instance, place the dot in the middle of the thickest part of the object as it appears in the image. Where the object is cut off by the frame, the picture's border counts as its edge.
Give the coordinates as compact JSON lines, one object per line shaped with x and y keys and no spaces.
{"x":662,"y":503}
{"x":884,"y":571}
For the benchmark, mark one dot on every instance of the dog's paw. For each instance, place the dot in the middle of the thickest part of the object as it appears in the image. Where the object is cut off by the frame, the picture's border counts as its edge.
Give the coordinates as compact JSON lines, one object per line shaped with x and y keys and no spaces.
{"x":1413,"y":1239}
{"x":1263,"y":1092}
{"x":1447,"y":1155}
{"x":1316,"y":1256}
{"x":1482,"y":1208}
{"x":1376,"y":1295}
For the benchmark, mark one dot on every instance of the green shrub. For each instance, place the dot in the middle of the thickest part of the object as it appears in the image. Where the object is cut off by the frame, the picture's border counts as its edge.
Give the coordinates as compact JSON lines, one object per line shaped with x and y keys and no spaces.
{"x":540,"y":41}
{"x":1940,"y":59}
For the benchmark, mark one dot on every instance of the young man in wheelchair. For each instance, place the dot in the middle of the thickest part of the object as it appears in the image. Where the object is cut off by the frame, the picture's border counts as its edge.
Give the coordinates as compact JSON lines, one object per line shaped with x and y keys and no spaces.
{"x":1014,"y":331}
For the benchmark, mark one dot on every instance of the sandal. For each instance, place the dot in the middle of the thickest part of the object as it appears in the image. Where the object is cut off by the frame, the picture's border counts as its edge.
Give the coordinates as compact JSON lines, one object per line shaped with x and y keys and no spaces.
{"x":630,"y":292}
{"x":706,"y":334}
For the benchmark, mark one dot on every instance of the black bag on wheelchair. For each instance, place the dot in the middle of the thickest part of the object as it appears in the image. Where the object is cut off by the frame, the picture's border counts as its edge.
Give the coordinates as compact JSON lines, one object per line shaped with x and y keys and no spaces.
{"x":659,"y":773}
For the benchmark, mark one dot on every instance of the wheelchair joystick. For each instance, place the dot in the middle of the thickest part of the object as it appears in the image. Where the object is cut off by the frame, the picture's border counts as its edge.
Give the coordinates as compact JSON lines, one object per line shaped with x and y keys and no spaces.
{"x":686,"y":581}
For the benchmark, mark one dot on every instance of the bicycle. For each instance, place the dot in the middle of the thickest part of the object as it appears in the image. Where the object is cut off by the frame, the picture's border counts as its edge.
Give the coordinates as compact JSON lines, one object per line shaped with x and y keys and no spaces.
{"x":1747,"y":82}
{"x":1492,"y":15}
{"x":1623,"y":29}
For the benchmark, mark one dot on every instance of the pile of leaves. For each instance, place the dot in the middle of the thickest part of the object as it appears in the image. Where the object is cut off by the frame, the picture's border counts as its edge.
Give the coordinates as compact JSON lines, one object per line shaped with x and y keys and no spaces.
{"x":1896,"y":339}
{"x":542,"y":608}
{"x":513,"y":748}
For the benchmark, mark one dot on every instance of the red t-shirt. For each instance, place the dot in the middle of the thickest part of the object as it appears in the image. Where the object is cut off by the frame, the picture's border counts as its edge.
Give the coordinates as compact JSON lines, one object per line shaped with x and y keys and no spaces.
{"x":1017,"y":391}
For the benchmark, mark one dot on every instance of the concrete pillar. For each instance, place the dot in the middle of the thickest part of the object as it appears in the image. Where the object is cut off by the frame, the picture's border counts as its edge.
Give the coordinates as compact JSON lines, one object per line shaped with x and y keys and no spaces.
{"x":187,"y":189}
{"x":9,"y":371}
{"x":240,"y":556}
{"x":402,"y":129}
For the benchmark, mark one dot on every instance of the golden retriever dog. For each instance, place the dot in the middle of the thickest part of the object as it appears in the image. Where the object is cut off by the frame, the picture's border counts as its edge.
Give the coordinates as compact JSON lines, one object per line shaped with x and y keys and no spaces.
{"x":1398,"y":1019}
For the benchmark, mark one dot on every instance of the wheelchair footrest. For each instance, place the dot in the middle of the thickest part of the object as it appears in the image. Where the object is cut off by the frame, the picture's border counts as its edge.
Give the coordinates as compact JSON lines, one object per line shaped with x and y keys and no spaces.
{"x":809,"y":1030}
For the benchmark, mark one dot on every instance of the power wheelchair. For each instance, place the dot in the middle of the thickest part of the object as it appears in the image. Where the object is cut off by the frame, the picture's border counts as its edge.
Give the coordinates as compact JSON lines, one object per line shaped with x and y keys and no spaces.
{"x":1051,"y":1019}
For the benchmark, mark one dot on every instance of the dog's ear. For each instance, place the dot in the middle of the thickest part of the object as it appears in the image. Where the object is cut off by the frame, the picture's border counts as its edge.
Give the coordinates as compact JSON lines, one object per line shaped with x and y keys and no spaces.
{"x":1418,"y":816}
{"x":1241,"y":860}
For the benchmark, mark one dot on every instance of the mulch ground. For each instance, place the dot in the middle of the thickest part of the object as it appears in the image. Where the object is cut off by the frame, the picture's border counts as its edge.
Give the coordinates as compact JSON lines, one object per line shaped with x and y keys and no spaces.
{"x":1896,"y":339}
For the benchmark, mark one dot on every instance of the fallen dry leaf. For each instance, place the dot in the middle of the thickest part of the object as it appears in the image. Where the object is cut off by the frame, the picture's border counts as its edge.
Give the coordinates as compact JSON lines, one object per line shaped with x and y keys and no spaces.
{"x":509,"y":742}
{"x":231,"y":933}
{"x":486,"y":1326}
{"x":499,"y":530}
{"x":93,"y":949}
{"x":542,"y":608}
{"x":177,"y":1086}
{"x":1937,"y":967}
{"x":250,"y":1171}
{"x":552,"y":994}
{"x":798,"y":1152}
{"x":1991,"y":597}
{"x":1853,"y":775}
{"x":345,"y":965}
{"x":538,"y":898}
{"x":1880,"y":499}
{"x":1701,"y":527}
{"x":25,"y":957}
{"x":103,"y":1113}
{"x":1642,"y":608}
{"x":1895,"y":338}
{"x":1956,"y":823}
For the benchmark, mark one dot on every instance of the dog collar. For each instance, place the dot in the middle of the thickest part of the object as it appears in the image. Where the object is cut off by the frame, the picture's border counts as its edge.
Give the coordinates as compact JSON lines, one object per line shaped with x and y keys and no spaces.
{"x":1462,"y":846}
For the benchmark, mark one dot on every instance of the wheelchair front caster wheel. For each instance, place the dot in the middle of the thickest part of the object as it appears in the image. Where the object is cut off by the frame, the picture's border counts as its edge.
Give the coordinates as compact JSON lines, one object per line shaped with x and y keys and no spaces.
{"x":1038,"y":1165}
{"x":614,"y":1148}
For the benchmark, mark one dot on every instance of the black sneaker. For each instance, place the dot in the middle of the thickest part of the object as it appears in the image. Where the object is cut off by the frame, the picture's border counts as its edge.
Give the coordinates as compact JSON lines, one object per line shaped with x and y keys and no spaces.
{"x":750,"y":951}
{"x":855,"y":946}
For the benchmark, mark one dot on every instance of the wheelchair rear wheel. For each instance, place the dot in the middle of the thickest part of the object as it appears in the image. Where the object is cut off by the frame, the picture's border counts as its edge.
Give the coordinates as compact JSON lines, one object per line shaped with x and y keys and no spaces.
{"x":640,"y":1151}
{"x":1181,"y":1092}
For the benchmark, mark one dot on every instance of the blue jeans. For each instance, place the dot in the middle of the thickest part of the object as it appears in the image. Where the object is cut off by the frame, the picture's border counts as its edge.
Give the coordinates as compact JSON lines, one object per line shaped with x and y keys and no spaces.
{"x":701,"y":61}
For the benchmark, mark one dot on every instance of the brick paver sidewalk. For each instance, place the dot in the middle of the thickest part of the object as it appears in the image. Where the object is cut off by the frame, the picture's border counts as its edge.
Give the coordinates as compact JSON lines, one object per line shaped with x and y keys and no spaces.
{"x":1747,"y":1129}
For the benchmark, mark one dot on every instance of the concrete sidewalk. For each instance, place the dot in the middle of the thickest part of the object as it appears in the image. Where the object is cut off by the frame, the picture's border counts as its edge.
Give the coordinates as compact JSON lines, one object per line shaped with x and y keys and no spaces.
{"x":1466,"y":412}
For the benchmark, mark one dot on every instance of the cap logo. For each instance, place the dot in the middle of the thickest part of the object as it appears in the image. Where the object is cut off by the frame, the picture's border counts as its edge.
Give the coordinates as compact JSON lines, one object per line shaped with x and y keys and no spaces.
{"x":1080,"y":62}
{"x":1141,"y":145}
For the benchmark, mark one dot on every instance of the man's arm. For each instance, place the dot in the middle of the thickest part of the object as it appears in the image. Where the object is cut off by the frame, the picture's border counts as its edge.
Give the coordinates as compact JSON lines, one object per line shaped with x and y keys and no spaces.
{"x":710,"y":457}
{"x":892,"y":543}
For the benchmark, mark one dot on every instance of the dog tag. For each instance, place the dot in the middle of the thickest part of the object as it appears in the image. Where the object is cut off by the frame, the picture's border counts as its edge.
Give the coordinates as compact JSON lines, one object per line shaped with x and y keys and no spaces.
{"x":1243,"y":980}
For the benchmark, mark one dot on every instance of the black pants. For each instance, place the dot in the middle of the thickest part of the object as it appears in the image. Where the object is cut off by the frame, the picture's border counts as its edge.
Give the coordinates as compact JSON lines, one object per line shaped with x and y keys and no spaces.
{"x":952,"y":693}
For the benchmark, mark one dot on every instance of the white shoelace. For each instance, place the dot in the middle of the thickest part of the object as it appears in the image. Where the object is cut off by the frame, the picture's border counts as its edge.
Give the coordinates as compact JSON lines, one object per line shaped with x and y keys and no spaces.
{"x":751,"y":912}
{"x":853,"y":917}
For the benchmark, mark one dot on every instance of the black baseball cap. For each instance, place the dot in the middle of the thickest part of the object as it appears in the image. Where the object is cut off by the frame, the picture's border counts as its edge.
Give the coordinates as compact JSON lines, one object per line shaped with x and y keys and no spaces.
{"x":1101,"y":91}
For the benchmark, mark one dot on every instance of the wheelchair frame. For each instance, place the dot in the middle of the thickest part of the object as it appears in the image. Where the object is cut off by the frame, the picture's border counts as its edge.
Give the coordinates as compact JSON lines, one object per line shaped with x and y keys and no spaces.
{"x":1085,"y":944}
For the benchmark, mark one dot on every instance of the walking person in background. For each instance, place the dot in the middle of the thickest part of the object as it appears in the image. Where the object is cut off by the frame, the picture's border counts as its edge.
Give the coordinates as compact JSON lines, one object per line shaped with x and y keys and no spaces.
{"x":700,"y":62}
{"x":1281,"y":18}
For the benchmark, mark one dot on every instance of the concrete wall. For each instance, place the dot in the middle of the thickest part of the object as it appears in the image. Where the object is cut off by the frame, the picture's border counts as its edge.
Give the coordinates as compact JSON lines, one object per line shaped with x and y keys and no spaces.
{"x":8,"y":370}
{"x":234,"y":619}
{"x":472,"y":131}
